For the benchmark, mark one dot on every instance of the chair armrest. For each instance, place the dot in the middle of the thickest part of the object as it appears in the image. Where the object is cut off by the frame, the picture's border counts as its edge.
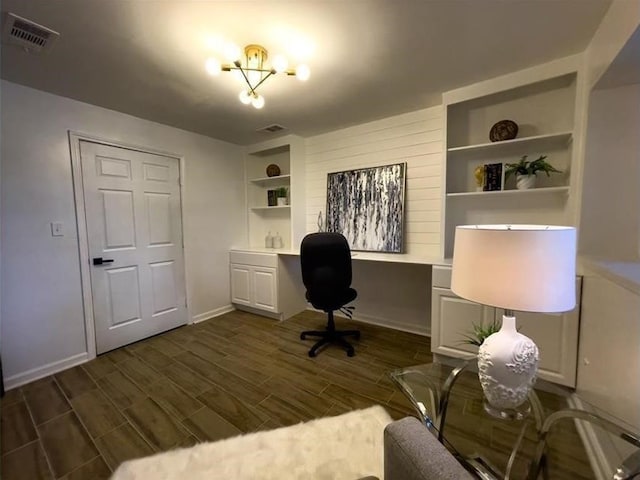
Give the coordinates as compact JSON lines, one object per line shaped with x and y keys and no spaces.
{"x":411,"y":452}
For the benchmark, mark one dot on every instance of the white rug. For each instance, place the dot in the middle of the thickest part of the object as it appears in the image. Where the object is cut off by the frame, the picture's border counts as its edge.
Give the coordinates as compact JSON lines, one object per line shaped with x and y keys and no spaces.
{"x":346,"y":447}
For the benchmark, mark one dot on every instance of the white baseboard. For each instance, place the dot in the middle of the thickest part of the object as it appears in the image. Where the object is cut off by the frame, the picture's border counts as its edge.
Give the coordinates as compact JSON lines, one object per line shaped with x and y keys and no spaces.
{"x":44,"y":371}
{"x":212,"y":313}
{"x":598,"y":459}
{"x":383,"y":322}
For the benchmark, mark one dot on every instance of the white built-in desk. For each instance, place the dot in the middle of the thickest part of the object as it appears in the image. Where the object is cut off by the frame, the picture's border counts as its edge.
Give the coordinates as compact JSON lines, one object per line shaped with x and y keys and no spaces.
{"x":268,"y":281}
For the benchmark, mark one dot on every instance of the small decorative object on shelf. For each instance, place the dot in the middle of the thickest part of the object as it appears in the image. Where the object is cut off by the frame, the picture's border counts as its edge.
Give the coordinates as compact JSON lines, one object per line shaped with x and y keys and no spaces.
{"x":478,"y":174}
{"x":281,"y":193}
{"x":503,"y":130}
{"x":273,"y":170}
{"x":277,"y":241}
{"x":526,"y":171}
{"x":272,"y":198}
{"x":492,"y":177}
{"x":320,"y":222}
{"x":268,"y":240}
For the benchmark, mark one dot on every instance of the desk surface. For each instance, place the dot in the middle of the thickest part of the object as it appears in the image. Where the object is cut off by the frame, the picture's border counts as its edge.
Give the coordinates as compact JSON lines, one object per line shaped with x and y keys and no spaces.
{"x":366,"y":256}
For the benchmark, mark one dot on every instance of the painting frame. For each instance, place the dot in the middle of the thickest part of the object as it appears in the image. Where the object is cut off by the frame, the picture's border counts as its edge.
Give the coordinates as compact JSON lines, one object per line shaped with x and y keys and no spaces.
{"x":367,"y":206}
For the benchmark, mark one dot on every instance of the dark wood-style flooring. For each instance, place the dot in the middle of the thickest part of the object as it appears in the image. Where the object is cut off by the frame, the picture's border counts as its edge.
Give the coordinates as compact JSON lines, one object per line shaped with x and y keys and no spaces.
{"x":233,"y":374}
{"x":229,"y":375}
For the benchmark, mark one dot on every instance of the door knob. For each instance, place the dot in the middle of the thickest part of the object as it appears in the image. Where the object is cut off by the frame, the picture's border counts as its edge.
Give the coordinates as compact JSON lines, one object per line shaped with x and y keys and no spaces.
{"x":101,"y":261}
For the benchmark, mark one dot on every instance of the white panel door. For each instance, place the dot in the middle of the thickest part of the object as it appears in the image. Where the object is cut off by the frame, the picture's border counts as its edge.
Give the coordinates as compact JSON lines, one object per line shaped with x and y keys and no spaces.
{"x":265,"y":288}
{"x":133,"y":215}
{"x":241,"y":284}
{"x":452,"y":318}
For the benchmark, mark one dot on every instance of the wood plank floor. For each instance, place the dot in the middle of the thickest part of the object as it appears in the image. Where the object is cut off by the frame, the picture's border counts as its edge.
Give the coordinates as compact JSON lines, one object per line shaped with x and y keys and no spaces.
{"x":233,"y":374}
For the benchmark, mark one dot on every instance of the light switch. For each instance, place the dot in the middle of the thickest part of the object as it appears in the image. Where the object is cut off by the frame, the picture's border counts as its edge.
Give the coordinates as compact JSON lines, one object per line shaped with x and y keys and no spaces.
{"x":56,"y":229}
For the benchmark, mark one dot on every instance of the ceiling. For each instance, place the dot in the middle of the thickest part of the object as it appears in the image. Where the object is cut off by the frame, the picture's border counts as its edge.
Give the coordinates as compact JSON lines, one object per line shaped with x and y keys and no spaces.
{"x":369,"y":58}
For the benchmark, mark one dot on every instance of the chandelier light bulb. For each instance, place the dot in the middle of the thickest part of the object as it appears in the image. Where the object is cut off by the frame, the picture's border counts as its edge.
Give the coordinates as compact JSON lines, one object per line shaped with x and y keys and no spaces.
{"x":303,"y":73}
{"x":280,"y":63}
{"x":232,"y":52}
{"x":258,"y":102}
{"x":244,"y":97}
{"x":213,"y":67}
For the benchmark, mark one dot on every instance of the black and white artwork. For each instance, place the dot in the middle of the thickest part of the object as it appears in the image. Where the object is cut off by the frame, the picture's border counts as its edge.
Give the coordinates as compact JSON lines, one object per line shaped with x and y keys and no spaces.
{"x":367,"y":207}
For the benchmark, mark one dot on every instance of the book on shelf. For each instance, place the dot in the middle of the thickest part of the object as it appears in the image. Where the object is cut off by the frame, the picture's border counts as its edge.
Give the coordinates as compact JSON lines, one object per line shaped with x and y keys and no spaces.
{"x":492,"y":177}
{"x":272,"y":199}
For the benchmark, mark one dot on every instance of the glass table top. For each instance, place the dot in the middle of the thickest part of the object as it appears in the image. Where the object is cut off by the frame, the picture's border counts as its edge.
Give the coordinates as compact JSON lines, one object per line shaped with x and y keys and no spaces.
{"x":449,"y":400}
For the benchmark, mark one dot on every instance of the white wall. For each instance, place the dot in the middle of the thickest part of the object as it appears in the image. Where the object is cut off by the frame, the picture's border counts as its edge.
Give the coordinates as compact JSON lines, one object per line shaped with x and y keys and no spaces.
{"x":42,"y":315}
{"x":618,"y":24}
{"x":389,"y":294}
{"x":609,"y":354}
{"x":611,"y":185}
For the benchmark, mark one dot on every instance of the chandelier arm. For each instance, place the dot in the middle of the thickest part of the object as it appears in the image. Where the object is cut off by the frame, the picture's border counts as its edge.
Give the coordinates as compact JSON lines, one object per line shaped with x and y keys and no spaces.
{"x":263,"y":79}
{"x":246,"y":79}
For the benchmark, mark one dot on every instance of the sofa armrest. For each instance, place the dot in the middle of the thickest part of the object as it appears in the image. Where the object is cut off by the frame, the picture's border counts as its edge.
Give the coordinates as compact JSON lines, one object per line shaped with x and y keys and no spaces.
{"x":411,"y":452}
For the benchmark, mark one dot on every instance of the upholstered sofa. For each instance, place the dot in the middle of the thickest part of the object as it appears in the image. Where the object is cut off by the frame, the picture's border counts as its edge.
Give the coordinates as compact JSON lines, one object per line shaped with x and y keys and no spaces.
{"x":411,"y":452}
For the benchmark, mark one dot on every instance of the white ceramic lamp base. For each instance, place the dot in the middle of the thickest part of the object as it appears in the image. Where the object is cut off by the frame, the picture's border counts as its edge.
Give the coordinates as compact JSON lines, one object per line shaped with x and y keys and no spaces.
{"x":507,"y":367}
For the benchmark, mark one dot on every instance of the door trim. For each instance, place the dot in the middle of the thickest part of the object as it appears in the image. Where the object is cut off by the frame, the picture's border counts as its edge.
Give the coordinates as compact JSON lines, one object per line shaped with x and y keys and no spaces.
{"x":75,"y":138}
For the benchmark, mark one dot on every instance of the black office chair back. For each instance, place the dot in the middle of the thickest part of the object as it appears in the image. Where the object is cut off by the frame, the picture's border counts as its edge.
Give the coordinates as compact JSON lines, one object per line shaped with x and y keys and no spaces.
{"x":325,"y":259}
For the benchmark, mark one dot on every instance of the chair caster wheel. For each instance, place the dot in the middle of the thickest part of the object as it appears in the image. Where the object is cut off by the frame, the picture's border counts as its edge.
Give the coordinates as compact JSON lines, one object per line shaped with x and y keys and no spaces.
{"x":303,"y":336}
{"x":350,"y":353}
{"x":312,"y":353}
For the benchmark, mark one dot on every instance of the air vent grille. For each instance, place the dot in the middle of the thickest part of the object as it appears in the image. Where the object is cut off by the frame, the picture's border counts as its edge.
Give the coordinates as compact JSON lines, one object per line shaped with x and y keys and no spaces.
{"x":27,"y":34}
{"x":271,"y":128}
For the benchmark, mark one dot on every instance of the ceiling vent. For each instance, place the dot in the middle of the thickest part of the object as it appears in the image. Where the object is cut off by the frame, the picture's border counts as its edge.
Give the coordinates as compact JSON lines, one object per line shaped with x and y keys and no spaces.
{"x":27,"y":34}
{"x":271,"y":128}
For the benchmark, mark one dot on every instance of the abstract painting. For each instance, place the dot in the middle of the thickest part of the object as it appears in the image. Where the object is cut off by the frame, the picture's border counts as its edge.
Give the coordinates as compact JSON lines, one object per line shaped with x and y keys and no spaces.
{"x":367,"y":207}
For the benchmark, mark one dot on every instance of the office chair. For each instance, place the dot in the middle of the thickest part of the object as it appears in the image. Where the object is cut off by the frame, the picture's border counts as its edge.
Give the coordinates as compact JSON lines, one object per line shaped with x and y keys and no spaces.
{"x":325,"y":259}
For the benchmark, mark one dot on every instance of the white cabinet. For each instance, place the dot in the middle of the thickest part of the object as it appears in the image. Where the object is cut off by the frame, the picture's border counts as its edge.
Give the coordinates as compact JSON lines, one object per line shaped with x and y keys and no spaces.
{"x":266,"y":283}
{"x":555,"y":334}
{"x":255,"y":287}
{"x":456,"y":319}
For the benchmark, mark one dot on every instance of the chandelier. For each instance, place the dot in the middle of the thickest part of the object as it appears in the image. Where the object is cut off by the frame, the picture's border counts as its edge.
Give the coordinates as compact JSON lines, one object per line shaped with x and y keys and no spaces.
{"x":254,"y":71}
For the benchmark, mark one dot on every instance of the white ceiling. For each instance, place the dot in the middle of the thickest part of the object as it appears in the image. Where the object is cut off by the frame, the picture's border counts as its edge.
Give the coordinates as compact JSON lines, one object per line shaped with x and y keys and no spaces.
{"x":368,"y":58}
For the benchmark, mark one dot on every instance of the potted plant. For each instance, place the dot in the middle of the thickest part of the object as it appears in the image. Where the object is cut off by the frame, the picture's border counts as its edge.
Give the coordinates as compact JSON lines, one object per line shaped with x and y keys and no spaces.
{"x":480,"y":333}
{"x":526,"y":171}
{"x":281,"y":194}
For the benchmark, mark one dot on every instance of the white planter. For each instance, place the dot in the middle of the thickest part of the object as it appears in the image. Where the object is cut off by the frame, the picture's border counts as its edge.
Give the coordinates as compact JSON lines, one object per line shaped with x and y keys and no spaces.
{"x":507,"y":366}
{"x":525,"y":182}
{"x":282,"y":201}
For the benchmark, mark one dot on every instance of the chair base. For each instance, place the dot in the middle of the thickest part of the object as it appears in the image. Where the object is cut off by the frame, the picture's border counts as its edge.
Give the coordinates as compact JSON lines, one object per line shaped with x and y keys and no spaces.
{"x":331,"y":335}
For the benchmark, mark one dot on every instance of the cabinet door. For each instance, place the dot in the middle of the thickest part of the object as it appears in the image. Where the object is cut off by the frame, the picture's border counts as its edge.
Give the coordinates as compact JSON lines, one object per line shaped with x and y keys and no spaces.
{"x":240,"y":284}
{"x":265,"y":288}
{"x":452,"y":318}
{"x":556,"y":336}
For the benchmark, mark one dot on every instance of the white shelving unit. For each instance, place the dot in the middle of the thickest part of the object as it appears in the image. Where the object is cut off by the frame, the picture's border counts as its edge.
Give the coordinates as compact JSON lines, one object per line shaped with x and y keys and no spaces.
{"x":272,"y":181}
{"x":281,"y":207}
{"x":543,"y":104}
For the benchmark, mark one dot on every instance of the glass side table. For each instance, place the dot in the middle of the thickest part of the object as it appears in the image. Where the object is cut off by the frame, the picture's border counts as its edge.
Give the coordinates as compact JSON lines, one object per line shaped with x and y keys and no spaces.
{"x":545,"y":443}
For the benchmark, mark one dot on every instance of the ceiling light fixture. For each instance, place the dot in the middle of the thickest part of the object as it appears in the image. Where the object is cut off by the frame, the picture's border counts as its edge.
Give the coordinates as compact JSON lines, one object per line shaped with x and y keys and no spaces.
{"x":253,"y":70}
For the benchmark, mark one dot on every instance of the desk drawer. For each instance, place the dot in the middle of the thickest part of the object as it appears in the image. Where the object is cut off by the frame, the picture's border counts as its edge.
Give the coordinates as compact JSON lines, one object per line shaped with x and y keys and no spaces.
{"x":441,"y":276}
{"x":255,"y":259}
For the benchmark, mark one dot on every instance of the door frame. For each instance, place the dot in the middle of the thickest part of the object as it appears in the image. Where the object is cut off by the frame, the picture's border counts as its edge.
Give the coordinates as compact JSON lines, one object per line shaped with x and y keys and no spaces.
{"x":75,"y":138}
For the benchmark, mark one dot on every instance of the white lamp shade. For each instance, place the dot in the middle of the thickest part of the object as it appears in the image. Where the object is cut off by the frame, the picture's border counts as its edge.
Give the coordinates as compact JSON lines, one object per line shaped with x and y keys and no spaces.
{"x":530,"y":268}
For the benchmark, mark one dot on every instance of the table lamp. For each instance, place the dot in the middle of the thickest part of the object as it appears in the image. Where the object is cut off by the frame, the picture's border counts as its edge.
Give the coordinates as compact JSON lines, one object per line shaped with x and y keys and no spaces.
{"x":530,"y":268}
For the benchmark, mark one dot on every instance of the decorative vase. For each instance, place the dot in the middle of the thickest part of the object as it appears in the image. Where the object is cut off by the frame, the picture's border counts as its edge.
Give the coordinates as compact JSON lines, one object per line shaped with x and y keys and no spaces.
{"x":525,"y":182}
{"x":282,"y":201}
{"x":507,"y":366}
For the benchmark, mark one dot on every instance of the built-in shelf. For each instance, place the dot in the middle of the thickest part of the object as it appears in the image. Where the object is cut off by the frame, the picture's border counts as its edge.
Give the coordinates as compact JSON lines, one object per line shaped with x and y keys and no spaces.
{"x":283,"y":207}
{"x":531,"y":191}
{"x":538,"y":141}
{"x":278,"y":180}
